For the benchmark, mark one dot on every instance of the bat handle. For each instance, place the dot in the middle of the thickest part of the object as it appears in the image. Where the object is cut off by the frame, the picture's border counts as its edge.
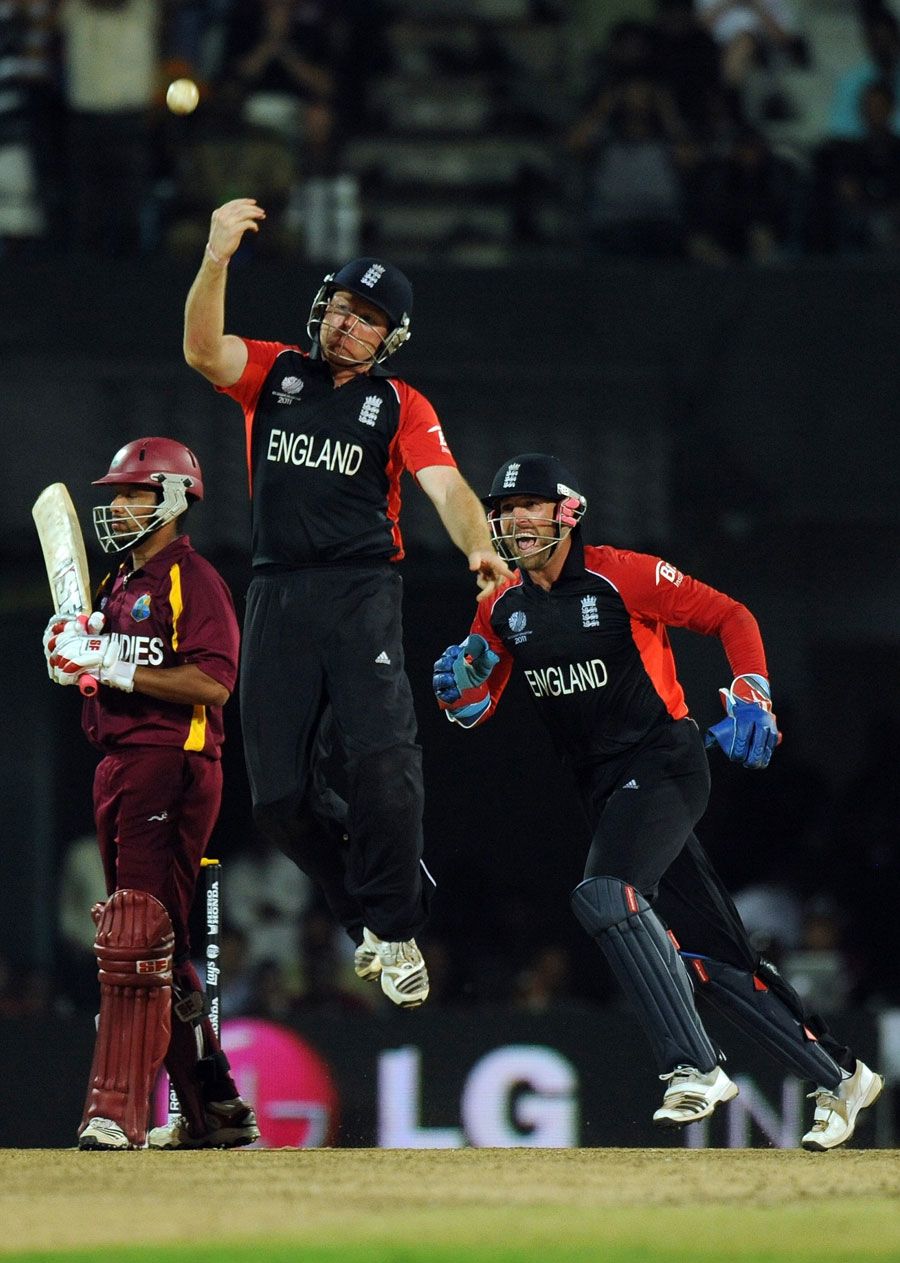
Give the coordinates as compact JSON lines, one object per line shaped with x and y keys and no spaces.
{"x":88,"y":685}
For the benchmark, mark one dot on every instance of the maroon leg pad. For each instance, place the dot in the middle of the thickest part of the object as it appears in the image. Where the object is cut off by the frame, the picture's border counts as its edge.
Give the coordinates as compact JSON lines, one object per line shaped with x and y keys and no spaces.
{"x":197,"y":1072}
{"x":134,"y":953}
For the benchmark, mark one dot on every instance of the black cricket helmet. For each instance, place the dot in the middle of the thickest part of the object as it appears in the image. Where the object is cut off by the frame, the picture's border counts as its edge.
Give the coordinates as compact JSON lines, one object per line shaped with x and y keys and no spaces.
{"x":378,"y":282}
{"x":540,"y":475}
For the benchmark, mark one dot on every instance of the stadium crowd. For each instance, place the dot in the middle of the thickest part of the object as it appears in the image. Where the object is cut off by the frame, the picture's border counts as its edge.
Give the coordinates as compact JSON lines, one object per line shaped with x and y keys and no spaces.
{"x":682,"y":134}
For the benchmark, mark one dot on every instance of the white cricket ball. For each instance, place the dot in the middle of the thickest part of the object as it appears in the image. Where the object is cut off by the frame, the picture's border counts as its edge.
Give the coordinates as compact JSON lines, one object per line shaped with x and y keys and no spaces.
{"x":182,"y":96}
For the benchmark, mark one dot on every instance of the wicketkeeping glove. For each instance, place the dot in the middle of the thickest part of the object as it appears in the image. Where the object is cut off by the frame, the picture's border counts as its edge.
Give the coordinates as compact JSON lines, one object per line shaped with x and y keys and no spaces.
{"x":459,"y":680}
{"x":76,"y":654}
{"x":749,"y":734}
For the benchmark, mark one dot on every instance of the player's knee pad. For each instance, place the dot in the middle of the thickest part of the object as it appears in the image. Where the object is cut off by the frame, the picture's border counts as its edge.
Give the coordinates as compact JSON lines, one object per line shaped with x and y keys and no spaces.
{"x":648,"y":968}
{"x":134,"y":946}
{"x":755,"y":1007}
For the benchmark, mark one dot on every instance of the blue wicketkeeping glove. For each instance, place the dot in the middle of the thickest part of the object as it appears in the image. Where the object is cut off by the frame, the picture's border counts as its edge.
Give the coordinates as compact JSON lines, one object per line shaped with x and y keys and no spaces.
{"x":459,"y":680}
{"x":749,"y":734}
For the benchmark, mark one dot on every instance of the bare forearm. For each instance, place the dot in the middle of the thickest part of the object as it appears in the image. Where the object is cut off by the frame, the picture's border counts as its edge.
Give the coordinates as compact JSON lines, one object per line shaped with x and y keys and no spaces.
{"x":464,"y":519}
{"x":187,"y":685}
{"x":204,"y":315}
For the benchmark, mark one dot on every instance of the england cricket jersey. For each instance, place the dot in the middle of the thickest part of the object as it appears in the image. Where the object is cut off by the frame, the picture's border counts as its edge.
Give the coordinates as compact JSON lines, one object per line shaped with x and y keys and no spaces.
{"x":174,"y":610}
{"x":595,"y":652}
{"x":325,"y":463}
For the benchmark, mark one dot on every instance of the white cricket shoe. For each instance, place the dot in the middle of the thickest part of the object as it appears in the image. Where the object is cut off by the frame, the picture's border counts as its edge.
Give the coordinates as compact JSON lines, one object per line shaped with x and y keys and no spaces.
{"x":230,"y":1123}
{"x":692,"y":1095}
{"x":404,"y":978}
{"x":103,"y":1133}
{"x":366,"y":962}
{"x":836,"y":1109}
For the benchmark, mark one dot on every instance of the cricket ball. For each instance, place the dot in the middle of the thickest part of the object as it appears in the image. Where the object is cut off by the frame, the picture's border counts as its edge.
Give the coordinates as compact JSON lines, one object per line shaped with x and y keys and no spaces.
{"x":182,"y":96}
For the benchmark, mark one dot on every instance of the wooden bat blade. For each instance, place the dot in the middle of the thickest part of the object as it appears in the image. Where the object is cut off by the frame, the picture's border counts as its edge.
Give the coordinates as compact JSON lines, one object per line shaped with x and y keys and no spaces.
{"x":63,"y":547}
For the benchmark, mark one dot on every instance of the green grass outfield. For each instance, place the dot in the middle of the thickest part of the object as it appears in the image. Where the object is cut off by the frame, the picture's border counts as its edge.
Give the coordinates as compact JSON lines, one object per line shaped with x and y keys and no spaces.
{"x":466,"y":1206}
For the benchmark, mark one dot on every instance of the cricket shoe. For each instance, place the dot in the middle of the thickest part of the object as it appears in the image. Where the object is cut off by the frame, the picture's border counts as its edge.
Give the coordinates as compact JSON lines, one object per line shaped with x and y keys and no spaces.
{"x":103,"y":1133}
{"x":837,"y":1109}
{"x":692,"y":1095}
{"x":230,"y":1123}
{"x":366,"y":962}
{"x":404,"y":978}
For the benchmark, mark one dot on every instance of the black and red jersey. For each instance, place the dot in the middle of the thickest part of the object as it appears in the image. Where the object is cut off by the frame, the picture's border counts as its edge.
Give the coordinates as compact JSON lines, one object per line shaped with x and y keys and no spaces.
{"x":174,"y":610}
{"x":594,"y":648}
{"x":325,"y":463}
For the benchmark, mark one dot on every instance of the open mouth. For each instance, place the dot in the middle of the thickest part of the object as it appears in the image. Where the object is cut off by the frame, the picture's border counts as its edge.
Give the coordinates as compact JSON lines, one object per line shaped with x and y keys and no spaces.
{"x":526,"y":543}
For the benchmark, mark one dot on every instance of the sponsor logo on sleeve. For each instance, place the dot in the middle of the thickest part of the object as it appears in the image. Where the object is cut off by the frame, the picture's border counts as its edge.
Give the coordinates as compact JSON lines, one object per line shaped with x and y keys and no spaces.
{"x":665,"y":570}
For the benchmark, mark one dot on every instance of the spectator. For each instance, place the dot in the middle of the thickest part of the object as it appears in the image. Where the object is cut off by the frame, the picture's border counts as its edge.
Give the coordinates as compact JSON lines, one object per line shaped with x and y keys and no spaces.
{"x":82,"y":884}
{"x":746,"y":203}
{"x":751,"y":33}
{"x":635,"y":192}
{"x":111,"y":61}
{"x":773,"y":918}
{"x":267,"y":898}
{"x":545,"y":983}
{"x":216,"y":157}
{"x":857,"y":208}
{"x":28,"y":139}
{"x":329,"y":984}
{"x":687,"y":60}
{"x":282,"y":54}
{"x":881,"y":33}
{"x":818,"y":969}
{"x":237,"y":977}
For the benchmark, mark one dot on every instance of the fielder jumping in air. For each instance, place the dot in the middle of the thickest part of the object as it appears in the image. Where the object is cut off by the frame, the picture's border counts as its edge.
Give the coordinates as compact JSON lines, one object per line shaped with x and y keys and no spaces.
{"x":588,"y":627}
{"x":164,"y":648}
{"x":328,"y":434}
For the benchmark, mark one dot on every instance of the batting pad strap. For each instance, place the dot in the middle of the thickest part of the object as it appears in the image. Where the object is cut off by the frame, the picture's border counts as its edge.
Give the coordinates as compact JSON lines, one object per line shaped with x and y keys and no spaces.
{"x":648,"y":969}
{"x":754,"y":1007}
{"x":134,"y":953}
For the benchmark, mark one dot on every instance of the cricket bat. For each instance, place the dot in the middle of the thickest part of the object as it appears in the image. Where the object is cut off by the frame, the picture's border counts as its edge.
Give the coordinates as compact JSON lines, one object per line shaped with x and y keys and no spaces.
{"x":62,"y":544}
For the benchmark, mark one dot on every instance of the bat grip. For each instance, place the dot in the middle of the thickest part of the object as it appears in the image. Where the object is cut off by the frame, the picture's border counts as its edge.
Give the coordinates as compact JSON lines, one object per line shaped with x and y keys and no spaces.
{"x":88,"y":685}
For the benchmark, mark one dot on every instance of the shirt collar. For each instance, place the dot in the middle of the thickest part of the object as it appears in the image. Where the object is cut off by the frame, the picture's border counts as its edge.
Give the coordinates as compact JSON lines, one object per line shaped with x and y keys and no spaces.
{"x":160,"y":562}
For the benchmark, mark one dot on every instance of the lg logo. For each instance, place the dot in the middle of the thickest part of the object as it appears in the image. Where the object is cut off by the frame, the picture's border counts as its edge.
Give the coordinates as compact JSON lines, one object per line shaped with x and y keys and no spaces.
{"x":518,"y":1095}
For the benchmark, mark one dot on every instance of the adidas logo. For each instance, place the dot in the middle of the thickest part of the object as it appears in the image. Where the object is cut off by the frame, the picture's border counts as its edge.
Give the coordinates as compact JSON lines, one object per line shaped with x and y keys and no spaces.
{"x":632,"y":784}
{"x":383,"y":659}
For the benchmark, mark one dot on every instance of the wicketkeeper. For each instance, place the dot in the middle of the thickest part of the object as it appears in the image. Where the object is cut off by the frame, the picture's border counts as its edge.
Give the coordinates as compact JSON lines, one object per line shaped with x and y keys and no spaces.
{"x":587,"y":625}
{"x":163,"y":644}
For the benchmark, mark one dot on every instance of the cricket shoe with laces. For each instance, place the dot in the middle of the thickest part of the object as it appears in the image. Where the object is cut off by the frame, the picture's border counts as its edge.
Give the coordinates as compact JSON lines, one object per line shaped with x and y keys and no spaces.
{"x":230,"y":1124}
{"x":103,"y":1133}
{"x":692,"y":1095}
{"x":837,"y":1109}
{"x":404,"y":978}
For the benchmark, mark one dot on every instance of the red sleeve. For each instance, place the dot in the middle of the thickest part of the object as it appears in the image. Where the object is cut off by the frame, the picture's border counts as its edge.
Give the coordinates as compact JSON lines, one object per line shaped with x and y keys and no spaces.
{"x":420,"y":436}
{"x":654,"y":592}
{"x":204,"y":625}
{"x":260,"y":358}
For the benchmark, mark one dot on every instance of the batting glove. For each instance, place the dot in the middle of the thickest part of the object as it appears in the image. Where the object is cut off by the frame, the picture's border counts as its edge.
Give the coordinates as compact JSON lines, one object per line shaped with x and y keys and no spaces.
{"x":749,"y":734}
{"x":77,"y":654}
{"x":459,"y":680}
{"x":61,"y":626}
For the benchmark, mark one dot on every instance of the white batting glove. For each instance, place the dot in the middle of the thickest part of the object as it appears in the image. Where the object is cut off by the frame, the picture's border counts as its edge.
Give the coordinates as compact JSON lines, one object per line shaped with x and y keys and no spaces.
{"x":61,"y":626}
{"x":77,"y":654}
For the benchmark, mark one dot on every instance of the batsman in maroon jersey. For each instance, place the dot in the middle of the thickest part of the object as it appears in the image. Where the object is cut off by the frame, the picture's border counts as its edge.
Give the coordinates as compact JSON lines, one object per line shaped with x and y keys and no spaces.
{"x":163,"y":645}
{"x":587,"y":626}
{"x":329,"y":432}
